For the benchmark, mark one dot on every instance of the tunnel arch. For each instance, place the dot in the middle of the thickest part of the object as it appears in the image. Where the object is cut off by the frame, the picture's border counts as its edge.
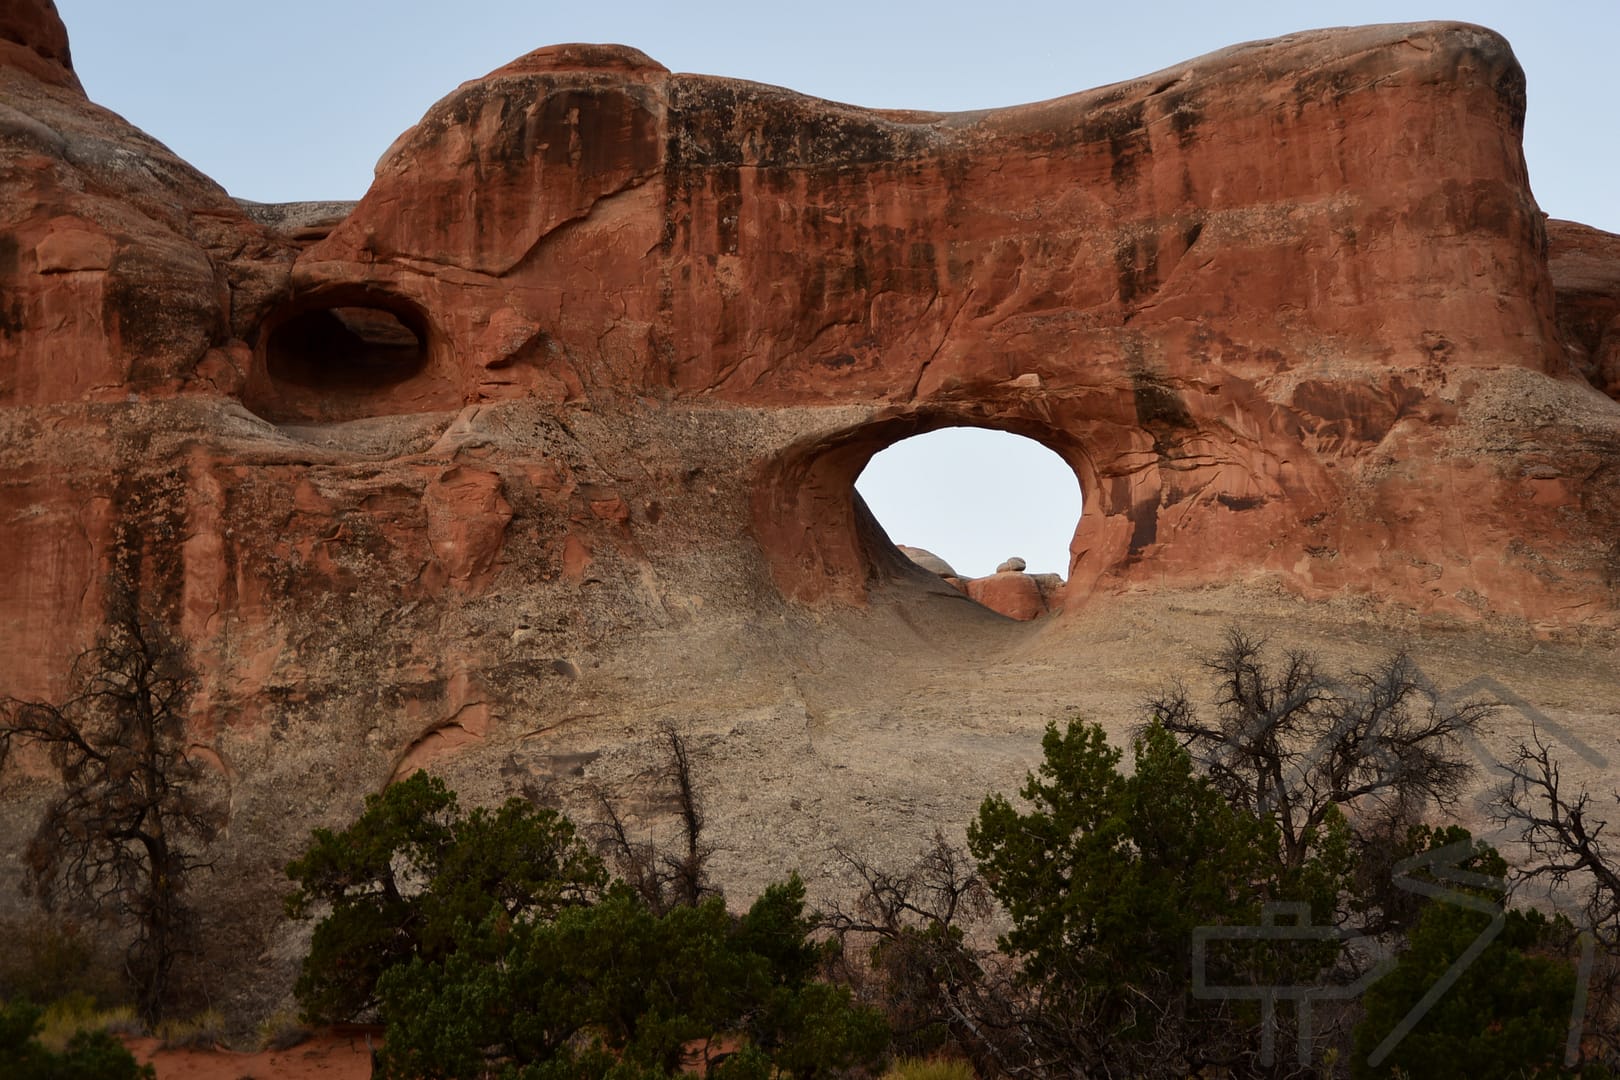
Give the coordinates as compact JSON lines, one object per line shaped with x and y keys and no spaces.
{"x":822,"y":542}
{"x":975,"y":498}
{"x":348,"y":352}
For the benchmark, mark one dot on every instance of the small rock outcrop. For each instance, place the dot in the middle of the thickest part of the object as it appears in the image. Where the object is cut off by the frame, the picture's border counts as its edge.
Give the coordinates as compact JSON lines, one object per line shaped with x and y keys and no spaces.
{"x":927,"y":560}
{"x":1009,"y":591}
{"x":1012,"y":593}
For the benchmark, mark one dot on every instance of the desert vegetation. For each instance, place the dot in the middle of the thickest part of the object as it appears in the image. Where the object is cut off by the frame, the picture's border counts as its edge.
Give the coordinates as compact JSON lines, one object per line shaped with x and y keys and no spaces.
{"x":131,"y":823}
{"x":1266,"y":886}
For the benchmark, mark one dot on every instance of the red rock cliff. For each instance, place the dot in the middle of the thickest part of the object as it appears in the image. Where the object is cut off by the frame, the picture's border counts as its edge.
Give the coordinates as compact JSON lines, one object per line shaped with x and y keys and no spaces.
{"x":1264,"y":302}
{"x":609,"y":338}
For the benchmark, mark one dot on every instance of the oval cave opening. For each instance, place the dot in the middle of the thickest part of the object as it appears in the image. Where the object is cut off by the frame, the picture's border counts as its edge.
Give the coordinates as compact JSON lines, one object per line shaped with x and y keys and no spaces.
{"x":350,"y":354}
{"x":990,"y":511}
{"x":345,"y":349}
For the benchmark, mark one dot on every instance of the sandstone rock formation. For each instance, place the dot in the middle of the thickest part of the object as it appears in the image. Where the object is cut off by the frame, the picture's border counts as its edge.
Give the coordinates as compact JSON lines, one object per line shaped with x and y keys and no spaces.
{"x":33,"y":40}
{"x":1314,"y":364}
{"x":1009,"y":591}
{"x":1585,"y":265}
{"x":1289,"y":363}
{"x":557,"y":429}
{"x":1012,"y":593}
{"x":927,"y":560}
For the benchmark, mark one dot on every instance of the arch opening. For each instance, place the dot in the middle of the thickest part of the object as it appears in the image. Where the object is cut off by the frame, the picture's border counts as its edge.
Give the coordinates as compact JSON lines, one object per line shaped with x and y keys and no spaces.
{"x":991,"y":512}
{"x":823,"y":542}
{"x":344,"y":349}
{"x":347,"y":354}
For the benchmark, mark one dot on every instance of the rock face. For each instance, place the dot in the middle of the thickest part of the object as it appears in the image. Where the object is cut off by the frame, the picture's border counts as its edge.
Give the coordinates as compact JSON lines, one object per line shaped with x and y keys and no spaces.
{"x":575,"y":398}
{"x":1585,"y":264}
{"x":928,"y":560}
{"x":33,"y":39}
{"x":1257,"y":362}
{"x":1302,"y":364}
{"x":1012,"y":593}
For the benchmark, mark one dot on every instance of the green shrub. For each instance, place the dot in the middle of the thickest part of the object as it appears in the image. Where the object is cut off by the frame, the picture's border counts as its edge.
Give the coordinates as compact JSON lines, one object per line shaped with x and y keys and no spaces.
{"x":87,"y":1055}
{"x":46,"y":959}
{"x":490,"y":943}
{"x":1106,"y":873}
{"x":617,"y":983}
{"x":930,"y":1069}
{"x":204,"y":1031}
{"x":1507,"y":1014}
{"x":412,"y":875}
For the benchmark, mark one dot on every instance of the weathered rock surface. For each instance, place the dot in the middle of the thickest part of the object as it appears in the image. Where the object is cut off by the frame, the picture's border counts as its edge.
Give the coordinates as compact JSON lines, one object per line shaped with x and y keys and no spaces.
{"x":927,"y":560}
{"x":1012,"y":593}
{"x":555,"y":433}
{"x":1243,"y":352}
{"x":1585,"y":265}
{"x":301,"y":222}
{"x":1009,"y":591}
{"x":33,"y":39}
{"x":1299,"y":364}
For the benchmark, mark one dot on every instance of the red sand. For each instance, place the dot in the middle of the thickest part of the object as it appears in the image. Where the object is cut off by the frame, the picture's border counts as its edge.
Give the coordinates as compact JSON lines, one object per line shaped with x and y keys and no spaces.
{"x":333,"y":1055}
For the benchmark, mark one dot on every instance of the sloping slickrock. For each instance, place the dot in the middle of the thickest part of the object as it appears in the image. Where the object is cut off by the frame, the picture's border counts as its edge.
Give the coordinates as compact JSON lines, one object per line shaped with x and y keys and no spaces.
{"x":927,"y":560}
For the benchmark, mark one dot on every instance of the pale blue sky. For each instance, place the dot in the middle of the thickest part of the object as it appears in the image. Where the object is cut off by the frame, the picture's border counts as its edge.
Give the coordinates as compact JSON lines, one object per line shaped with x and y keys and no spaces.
{"x":297,"y":99}
{"x":975,"y":498}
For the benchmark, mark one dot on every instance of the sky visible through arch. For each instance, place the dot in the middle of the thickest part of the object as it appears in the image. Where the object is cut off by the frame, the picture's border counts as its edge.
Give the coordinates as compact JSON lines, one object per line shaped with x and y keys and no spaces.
{"x":297,"y":99}
{"x":975,"y":498}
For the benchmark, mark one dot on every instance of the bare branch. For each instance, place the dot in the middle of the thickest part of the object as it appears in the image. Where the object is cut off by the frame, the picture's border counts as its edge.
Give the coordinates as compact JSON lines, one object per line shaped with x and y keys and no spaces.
{"x":663,"y":879}
{"x":1562,"y":831}
{"x":1291,"y":744}
{"x":123,"y":837}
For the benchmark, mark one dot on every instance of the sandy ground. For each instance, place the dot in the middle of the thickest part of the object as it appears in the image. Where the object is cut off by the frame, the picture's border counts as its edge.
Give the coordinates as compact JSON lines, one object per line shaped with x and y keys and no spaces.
{"x":886,"y":726}
{"x":330,"y":1055}
{"x":818,"y":736}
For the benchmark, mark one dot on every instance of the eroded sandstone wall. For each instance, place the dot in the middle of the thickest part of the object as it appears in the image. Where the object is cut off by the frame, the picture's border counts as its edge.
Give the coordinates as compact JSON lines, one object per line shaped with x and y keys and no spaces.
{"x":1585,"y":265}
{"x":622,"y":339}
{"x":1286,"y":309}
